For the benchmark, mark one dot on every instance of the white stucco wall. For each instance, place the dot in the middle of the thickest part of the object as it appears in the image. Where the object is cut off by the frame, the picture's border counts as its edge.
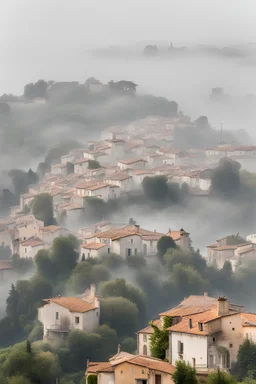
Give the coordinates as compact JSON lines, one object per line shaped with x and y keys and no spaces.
{"x":94,"y":253}
{"x":29,"y":252}
{"x":143,"y":340}
{"x":121,"y":246}
{"x":194,"y":346}
{"x":88,"y":321}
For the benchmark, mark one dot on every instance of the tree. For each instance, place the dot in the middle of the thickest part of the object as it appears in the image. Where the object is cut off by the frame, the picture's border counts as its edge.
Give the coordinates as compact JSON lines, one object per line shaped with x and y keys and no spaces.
{"x":202,"y":123}
{"x":220,"y":377}
{"x":150,"y":50}
{"x":37,"y":89}
{"x":119,"y":288}
{"x":81,"y":277}
{"x":45,"y":265}
{"x":184,"y":373}
{"x":159,"y":341}
{"x":155,"y":188}
{"x":109,"y":341}
{"x":83,"y":346}
{"x":64,"y":254}
{"x":164,"y":243}
{"x":120,"y":314}
{"x":246,"y":359}
{"x":226,"y":179}
{"x":235,"y":239}
{"x":93,"y":164}
{"x":12,"y":303}
{"x":123,"y":87}
{"x":20,"y":379}
{"x":42,"y":208}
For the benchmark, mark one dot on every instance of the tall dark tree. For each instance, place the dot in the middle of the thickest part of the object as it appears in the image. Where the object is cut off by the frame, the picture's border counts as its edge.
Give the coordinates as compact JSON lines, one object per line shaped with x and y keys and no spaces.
{"x":164,"y":243}
{"x":12,"y":302}
{"x":226,"y":179}
{"x":42,"y":208}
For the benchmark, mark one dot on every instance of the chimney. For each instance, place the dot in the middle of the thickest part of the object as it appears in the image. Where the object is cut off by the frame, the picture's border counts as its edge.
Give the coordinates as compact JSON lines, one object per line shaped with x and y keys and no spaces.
{"x":113,"y":136}
{"x":136,"y":228}
{"x":154,"y":230}
{"x":205,"y":293}
{"x":119,"y":348}
{"x":222,"y":306}
{"x":87,"y":363}
{"x":93,"y":290}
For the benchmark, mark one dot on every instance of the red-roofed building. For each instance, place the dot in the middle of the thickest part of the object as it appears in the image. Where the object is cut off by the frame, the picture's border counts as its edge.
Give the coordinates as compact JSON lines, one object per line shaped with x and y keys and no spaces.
{"x":62,"y":314}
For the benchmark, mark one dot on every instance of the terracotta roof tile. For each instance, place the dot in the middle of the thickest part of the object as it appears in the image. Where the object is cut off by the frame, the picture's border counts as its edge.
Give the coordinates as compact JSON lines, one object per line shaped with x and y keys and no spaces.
{"x":5,"y":264}
{"x":73,"y":304}
{"x":93,"y":246}
{"x":99,"y":367}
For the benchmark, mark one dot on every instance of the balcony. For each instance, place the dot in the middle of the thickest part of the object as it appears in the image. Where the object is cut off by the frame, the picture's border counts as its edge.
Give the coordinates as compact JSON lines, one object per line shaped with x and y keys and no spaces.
{"x":58,"y":328}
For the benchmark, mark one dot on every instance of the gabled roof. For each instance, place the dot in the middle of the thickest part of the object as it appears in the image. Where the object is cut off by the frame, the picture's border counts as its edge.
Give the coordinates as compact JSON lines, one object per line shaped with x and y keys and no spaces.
{"x":95,"y":246}
{"x":73,"y":304}
{"x":33,"y":242}
{"x":132,"y":161}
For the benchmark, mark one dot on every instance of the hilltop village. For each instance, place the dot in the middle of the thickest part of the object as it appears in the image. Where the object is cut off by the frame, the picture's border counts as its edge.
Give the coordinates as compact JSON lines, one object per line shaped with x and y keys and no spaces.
{"x":94,"y":315}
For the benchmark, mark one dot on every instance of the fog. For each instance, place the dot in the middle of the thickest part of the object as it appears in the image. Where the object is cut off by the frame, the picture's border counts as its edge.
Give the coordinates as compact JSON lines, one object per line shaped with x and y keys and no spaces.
{"x":70,"y":41}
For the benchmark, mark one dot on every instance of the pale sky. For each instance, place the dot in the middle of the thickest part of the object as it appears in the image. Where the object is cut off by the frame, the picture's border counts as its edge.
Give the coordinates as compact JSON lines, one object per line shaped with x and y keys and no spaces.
{"x":30,"y":23}
{"x":43,"y":38}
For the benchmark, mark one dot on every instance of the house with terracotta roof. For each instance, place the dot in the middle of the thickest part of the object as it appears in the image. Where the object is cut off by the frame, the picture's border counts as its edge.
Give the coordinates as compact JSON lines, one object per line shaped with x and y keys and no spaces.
{"x":133,"y":163}
{"x":121,"y":180}
{"x":125,"y":368}
{"x":59,"y":315}
{"x":221,"y":252}
{"x":29,"y":248}
{"x":81,"y":166}
{"x":59,"y":169}
{"x":93,"y":250}
{"x":181,"y":238}
{"x":49,"y":233}
{"x":206,"y":332}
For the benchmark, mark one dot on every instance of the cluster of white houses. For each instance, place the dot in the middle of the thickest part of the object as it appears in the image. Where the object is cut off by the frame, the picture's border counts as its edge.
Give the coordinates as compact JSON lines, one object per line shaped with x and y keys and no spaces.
{"x":236,"y":254}
{"x":205,"y":332}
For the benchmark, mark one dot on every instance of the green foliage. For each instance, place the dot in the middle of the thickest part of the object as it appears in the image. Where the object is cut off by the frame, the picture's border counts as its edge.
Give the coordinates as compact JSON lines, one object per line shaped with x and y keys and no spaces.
{"x":19,"y":380}
{"x":80,"y":278}
{"x":113,"y":261}
{"x":226,"y":179}
{"x":235,"y":239}
{"x":5,"y":252}
{"x":109,"y":341}
{"x":92,"y":379}
{"x":220,"y":377}
{"x":246,"y":359}
{"x":64,"y":255}
{"x":184,"y":374}
{"x":42,"y":208}
{"x":164,"y":243}
{"x":159,"y":340}
{"x":82,"y":346}
{"x":21,"y":180}
{"x":93,"y":164}
{"x":187,"y":279}
{"x":136,"y":262}
{"x":129,"y":345}
{"x":37,"y":332}
{"x":120,"y":314}
{"x":155,"y":188}
{"x":119,"y":288}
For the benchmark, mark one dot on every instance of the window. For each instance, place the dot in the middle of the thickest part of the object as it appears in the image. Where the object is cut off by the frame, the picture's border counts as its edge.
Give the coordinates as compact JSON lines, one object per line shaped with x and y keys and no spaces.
{"x":121,"y":372}
{"x":180,"y":347}
{"x":158,"y":379}
{"x":24,"y":238}
{"x":200,"y":326}
{"x":233,"y":329}
{"x":77,"y":320}
{"x":151,"y":243}
{"x":128,"y":251}
{"x":25,"y":250}
{"x":108,"y":250}
{"x":135,"y":251}
{"x":145,"y":350}
{"x":97,"y":314}
{"x":145,"y":338}
{"x":193,"y":362}
{"x":213,"y":339}
{"x":142,"y":371}
{"x":57,"y":316}
{"x":230,"y":345}
{"x":131,"y":241}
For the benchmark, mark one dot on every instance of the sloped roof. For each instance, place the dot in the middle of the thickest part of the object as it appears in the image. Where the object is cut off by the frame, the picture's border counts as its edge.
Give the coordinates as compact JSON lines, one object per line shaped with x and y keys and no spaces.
{"x":73,"y":304}
{"x":5,"y":264}
{"x":93,"y":246}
